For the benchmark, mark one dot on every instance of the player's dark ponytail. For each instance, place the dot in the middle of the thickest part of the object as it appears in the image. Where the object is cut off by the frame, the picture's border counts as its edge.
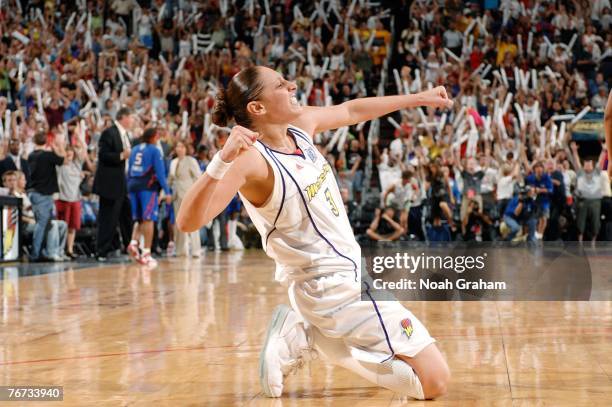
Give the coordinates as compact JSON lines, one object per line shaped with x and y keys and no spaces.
{"x":220,"y":115}
{"x":232,"y":102}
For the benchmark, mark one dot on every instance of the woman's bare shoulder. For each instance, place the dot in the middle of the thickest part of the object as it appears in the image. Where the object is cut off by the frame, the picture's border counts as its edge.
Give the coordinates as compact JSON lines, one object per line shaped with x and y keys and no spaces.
{"x":253,"y":165}
{"x":258,"y":176}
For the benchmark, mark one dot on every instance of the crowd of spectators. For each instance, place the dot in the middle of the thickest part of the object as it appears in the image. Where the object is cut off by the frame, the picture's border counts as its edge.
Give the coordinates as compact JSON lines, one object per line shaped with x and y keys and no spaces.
{"x":500,"y":165}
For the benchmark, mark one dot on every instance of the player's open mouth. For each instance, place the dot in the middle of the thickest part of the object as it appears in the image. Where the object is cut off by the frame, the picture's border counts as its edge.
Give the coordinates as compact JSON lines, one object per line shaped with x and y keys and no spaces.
{"x":293,"y":100}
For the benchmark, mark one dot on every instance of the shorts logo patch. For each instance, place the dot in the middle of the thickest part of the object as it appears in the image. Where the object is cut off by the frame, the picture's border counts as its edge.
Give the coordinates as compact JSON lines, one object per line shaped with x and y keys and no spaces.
{"x":407,"y":326}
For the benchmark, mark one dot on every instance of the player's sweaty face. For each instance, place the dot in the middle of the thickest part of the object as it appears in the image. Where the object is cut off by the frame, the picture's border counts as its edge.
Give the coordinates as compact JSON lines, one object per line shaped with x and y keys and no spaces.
{"x":279,"y":97}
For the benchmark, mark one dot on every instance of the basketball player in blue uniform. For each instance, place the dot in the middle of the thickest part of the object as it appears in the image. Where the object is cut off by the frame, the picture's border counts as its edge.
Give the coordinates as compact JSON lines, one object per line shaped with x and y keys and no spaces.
{"x":146,"y":175}
{"x":289,"y":191}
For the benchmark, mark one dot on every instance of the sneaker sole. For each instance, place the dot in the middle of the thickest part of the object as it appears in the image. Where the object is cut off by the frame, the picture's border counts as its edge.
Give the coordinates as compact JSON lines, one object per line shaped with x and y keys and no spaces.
{"x":278,"y":319}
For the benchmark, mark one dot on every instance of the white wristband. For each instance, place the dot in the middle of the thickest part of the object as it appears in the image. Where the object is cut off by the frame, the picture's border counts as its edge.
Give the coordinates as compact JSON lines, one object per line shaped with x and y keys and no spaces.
{"x":217,"y":167}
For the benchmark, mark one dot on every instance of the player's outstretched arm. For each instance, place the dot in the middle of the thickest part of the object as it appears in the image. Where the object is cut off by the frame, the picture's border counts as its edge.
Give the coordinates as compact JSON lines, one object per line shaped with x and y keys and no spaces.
{"x":318,"y":119}
{"x":212,"y":193}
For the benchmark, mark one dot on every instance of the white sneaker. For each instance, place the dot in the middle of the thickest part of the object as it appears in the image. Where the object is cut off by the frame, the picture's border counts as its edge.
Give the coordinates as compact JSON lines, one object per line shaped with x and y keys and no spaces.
{"x":284,"y":351}
{"x":148,"y":260}
{"x":56,"y":258}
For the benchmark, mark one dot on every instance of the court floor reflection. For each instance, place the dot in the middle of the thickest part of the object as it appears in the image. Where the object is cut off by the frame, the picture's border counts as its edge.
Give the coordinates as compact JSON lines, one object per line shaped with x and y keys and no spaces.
{"x":190,"y":331}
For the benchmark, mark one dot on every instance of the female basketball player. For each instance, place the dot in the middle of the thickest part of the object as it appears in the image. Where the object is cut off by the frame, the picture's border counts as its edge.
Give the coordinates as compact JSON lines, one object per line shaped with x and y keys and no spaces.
{"x":289,"y":191}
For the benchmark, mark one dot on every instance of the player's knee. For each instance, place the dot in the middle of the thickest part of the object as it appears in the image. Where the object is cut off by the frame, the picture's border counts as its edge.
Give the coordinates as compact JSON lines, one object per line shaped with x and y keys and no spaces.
{"x":437,"y":386}
{"x":435,"y":389}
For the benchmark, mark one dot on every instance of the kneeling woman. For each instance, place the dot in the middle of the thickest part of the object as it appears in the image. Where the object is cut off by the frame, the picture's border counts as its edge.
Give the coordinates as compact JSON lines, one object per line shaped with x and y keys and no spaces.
{"x":290,"y":193}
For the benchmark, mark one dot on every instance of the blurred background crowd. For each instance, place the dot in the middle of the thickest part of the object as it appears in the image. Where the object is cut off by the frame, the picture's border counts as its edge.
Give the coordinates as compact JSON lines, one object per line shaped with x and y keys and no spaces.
{"x":519,"y":157}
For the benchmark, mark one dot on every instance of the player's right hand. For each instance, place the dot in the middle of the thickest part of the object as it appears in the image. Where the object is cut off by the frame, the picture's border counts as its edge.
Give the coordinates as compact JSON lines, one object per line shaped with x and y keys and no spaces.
{"x":239,"y":140}
{"x":436,"y":97}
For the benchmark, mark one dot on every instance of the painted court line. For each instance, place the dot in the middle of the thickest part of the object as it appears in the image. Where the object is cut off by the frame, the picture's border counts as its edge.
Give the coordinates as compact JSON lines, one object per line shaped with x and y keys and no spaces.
{"x":103,"y":355}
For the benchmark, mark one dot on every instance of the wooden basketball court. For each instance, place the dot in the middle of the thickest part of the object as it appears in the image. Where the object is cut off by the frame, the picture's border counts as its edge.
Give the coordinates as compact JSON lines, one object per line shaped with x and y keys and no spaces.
{"x":190,"y":331}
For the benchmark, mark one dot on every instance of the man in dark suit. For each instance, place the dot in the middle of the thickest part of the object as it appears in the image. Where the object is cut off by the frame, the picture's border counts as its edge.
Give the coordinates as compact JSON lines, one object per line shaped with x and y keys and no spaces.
{"x":114,"y":149}
{"x":13,"y":161}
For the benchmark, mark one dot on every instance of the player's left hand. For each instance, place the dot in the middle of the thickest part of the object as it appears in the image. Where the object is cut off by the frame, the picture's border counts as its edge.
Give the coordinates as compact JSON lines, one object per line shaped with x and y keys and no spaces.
{"x":436,"y":97}
{"x":168,"y":199}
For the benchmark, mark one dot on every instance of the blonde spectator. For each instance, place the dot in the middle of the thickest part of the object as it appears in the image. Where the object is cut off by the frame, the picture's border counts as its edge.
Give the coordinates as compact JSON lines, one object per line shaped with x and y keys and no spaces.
{"x":184,"y":171}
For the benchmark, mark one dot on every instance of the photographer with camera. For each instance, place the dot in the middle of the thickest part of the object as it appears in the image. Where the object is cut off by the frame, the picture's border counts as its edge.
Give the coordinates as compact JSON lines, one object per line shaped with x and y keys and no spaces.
{"x":475,"y":222}
{"x":521,"y":211}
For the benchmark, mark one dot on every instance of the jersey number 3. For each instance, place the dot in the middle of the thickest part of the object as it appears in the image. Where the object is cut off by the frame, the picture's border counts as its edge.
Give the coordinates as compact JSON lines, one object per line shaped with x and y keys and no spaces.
{"x":330,"y":201}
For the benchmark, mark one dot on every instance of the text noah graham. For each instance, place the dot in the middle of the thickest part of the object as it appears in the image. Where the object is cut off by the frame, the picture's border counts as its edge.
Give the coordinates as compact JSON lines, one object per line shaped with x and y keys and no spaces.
{"x":427,"y":284}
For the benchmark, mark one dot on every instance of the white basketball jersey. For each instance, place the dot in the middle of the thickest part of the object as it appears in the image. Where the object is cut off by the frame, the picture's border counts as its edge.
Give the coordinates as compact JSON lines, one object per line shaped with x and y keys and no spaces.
{"x":303,"y":225}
